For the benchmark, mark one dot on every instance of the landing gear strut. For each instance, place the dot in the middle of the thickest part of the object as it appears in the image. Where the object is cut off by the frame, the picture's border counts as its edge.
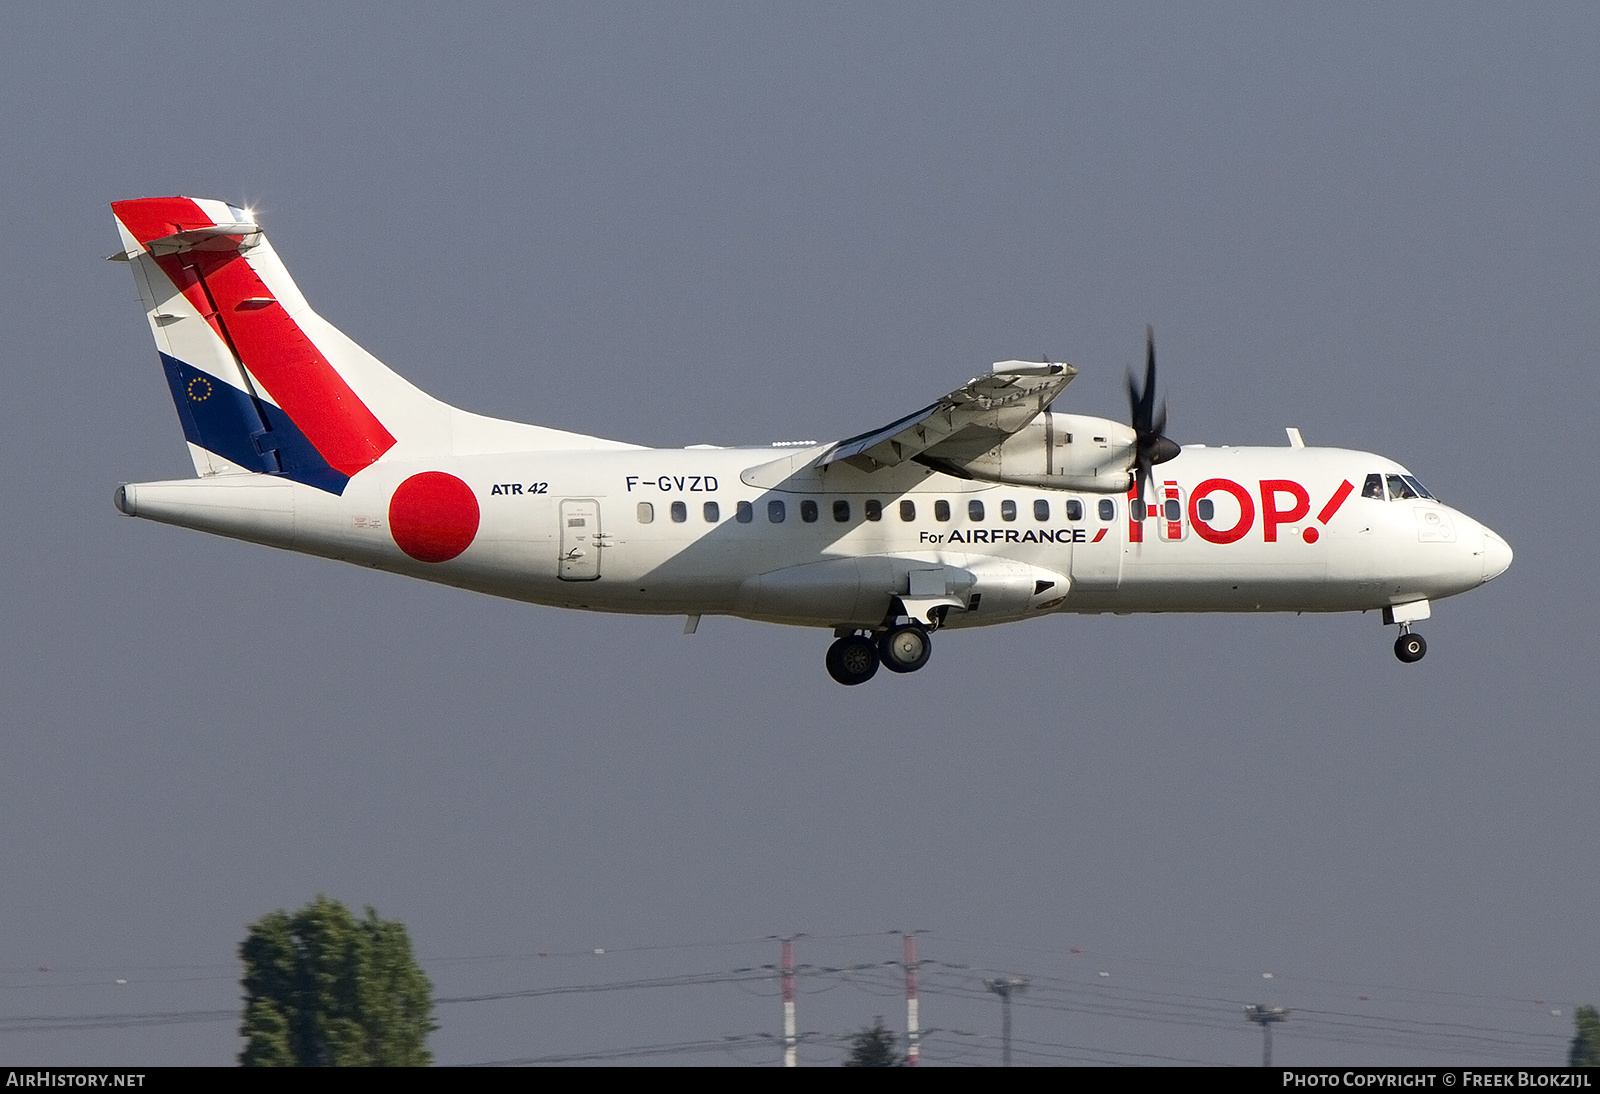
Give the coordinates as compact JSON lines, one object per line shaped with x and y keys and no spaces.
{"x":1409,"y":647}
{"x":853,"y":660}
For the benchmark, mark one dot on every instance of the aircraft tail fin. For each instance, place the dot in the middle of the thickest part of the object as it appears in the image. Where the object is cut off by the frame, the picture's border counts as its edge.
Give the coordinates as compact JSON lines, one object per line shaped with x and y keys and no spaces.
{"x":264,"y":384}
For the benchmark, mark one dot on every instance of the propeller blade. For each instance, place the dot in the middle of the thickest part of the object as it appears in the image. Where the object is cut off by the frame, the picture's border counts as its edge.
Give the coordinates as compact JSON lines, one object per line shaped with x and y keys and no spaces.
{"x":1151,"y":445}
{"x":1141,"y":401}
{"x":1149,"y":376}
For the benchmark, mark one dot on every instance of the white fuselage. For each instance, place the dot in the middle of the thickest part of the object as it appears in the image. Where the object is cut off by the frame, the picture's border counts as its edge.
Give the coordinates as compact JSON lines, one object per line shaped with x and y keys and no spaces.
{"x":695,"y":531}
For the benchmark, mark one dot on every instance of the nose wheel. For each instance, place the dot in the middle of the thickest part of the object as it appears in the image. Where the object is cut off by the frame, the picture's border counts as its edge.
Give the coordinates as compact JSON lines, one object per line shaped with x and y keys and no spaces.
{"x":1410,"y":648}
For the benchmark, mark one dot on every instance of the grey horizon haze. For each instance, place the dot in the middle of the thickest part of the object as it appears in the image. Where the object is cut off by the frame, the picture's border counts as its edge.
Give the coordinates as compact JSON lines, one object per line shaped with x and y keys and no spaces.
{"x":693,"y":223}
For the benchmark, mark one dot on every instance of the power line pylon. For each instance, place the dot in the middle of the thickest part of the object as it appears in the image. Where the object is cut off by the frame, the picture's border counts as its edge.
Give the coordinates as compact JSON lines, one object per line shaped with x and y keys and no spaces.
{"x":913,"y":1005}
{"x":790,"y":1056}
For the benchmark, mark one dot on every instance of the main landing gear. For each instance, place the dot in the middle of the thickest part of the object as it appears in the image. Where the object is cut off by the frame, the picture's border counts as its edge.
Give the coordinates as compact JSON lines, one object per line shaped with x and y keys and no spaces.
{"x":1409,"y":647}
{"x":854,"y":659}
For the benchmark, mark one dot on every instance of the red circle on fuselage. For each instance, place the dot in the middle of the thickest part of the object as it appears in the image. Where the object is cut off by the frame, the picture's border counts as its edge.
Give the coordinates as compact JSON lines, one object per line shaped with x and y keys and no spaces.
{"x":433,"y":516}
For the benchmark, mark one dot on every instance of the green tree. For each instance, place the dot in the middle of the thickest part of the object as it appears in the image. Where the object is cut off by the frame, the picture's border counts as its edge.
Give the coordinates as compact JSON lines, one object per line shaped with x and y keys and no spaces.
{"x":325,"y":989}
{"x":874,"y":1046}
{"x":1585,"y":1051}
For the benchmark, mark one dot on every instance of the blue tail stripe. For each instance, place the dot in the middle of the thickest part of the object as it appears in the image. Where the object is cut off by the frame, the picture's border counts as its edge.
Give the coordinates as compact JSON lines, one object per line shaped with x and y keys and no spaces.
{"x":250,"y":432}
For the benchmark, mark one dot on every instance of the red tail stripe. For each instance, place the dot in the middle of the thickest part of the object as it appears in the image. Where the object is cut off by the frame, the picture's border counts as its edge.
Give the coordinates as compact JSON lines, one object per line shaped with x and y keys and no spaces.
{"x":153,"y":218}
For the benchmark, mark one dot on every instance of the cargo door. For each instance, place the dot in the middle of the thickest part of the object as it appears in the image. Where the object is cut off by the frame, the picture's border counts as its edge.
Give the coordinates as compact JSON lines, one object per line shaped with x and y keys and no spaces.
{"x":1096,"y":562}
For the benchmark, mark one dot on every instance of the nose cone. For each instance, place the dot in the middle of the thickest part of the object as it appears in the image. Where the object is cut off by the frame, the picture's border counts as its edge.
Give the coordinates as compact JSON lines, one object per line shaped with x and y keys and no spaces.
{"x":1496,"y":555}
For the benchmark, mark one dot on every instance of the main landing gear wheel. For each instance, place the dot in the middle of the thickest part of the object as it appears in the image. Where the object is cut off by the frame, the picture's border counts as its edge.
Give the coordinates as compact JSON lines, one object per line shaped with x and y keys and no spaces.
{"x":853,"y":660}
{"x":1410,"y":648}
{"x":905,"y":648}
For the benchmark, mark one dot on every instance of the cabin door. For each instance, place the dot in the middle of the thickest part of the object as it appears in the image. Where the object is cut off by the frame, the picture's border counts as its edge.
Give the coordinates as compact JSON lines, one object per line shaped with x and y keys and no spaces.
{"x":580,"y":539}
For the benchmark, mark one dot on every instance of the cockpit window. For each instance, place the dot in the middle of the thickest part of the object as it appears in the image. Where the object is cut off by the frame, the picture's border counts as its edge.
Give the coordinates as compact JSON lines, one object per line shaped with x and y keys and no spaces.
{"x":1399,"y":488}
{"x":1421,"y":490}
{"x":1373,"y":487}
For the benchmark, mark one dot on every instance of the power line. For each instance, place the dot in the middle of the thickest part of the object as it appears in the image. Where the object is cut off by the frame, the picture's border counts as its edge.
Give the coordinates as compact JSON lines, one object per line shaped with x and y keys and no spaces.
{"x":677,"y":1048}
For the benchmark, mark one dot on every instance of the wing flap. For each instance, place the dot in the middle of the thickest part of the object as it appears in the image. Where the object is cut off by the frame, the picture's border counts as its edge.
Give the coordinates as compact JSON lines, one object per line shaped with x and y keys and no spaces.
{"x":965,"y":423}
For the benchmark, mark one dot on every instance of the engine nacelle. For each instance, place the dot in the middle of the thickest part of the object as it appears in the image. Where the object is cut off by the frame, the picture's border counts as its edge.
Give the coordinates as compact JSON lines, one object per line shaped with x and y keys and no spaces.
{"x":1062,"y":451}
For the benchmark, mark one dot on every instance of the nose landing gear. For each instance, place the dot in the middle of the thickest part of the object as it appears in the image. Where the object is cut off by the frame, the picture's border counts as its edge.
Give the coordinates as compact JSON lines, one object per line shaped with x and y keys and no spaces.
{"x":1409,"y":647}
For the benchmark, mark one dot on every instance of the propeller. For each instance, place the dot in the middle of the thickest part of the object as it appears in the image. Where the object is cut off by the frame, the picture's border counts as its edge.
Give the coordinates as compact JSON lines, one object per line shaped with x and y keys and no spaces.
{"x":1151,"y":446}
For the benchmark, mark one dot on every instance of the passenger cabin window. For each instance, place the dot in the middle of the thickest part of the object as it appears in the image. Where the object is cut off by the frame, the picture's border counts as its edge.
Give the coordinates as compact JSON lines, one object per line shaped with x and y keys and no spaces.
{"x":874,"y":509}
{"x":744,"y":512}
{"x":1206,"y":509}
{"x":841,"y":511}
{"x":1108,"y":509}
{"x":1399,"y":488}
{"x":941,"y":510}
{"x":974,"y":510}
{"x":1008,"y":510}
{"x":775,"y":511}
{"x":647,"y":512}
{"x":1170,"y":509}
{"x":680,"y":512}
{"x":808,"y":511}
{"x":712,"y":512}
{"x":1041,"y":508}
{"x":1373,"y":487}
{"x":1074,"y":509}
{"x":908,"y":511}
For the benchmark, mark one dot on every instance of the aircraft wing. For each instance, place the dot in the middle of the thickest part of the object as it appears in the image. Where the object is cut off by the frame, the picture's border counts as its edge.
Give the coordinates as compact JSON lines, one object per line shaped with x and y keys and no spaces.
{"x":965,"y":423}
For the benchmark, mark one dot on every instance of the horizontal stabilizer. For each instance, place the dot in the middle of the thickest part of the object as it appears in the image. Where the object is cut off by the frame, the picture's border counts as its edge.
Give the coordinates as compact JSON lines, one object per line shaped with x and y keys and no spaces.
{"x":218,"y":237}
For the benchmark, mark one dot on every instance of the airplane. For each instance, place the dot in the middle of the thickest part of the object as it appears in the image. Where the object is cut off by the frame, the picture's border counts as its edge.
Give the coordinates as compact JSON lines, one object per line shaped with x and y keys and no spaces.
{"x":987,"y":506}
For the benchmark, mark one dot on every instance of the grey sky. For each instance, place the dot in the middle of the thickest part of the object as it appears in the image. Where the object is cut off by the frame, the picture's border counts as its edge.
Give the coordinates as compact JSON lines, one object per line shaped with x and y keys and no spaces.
{"x":679,"y":224}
